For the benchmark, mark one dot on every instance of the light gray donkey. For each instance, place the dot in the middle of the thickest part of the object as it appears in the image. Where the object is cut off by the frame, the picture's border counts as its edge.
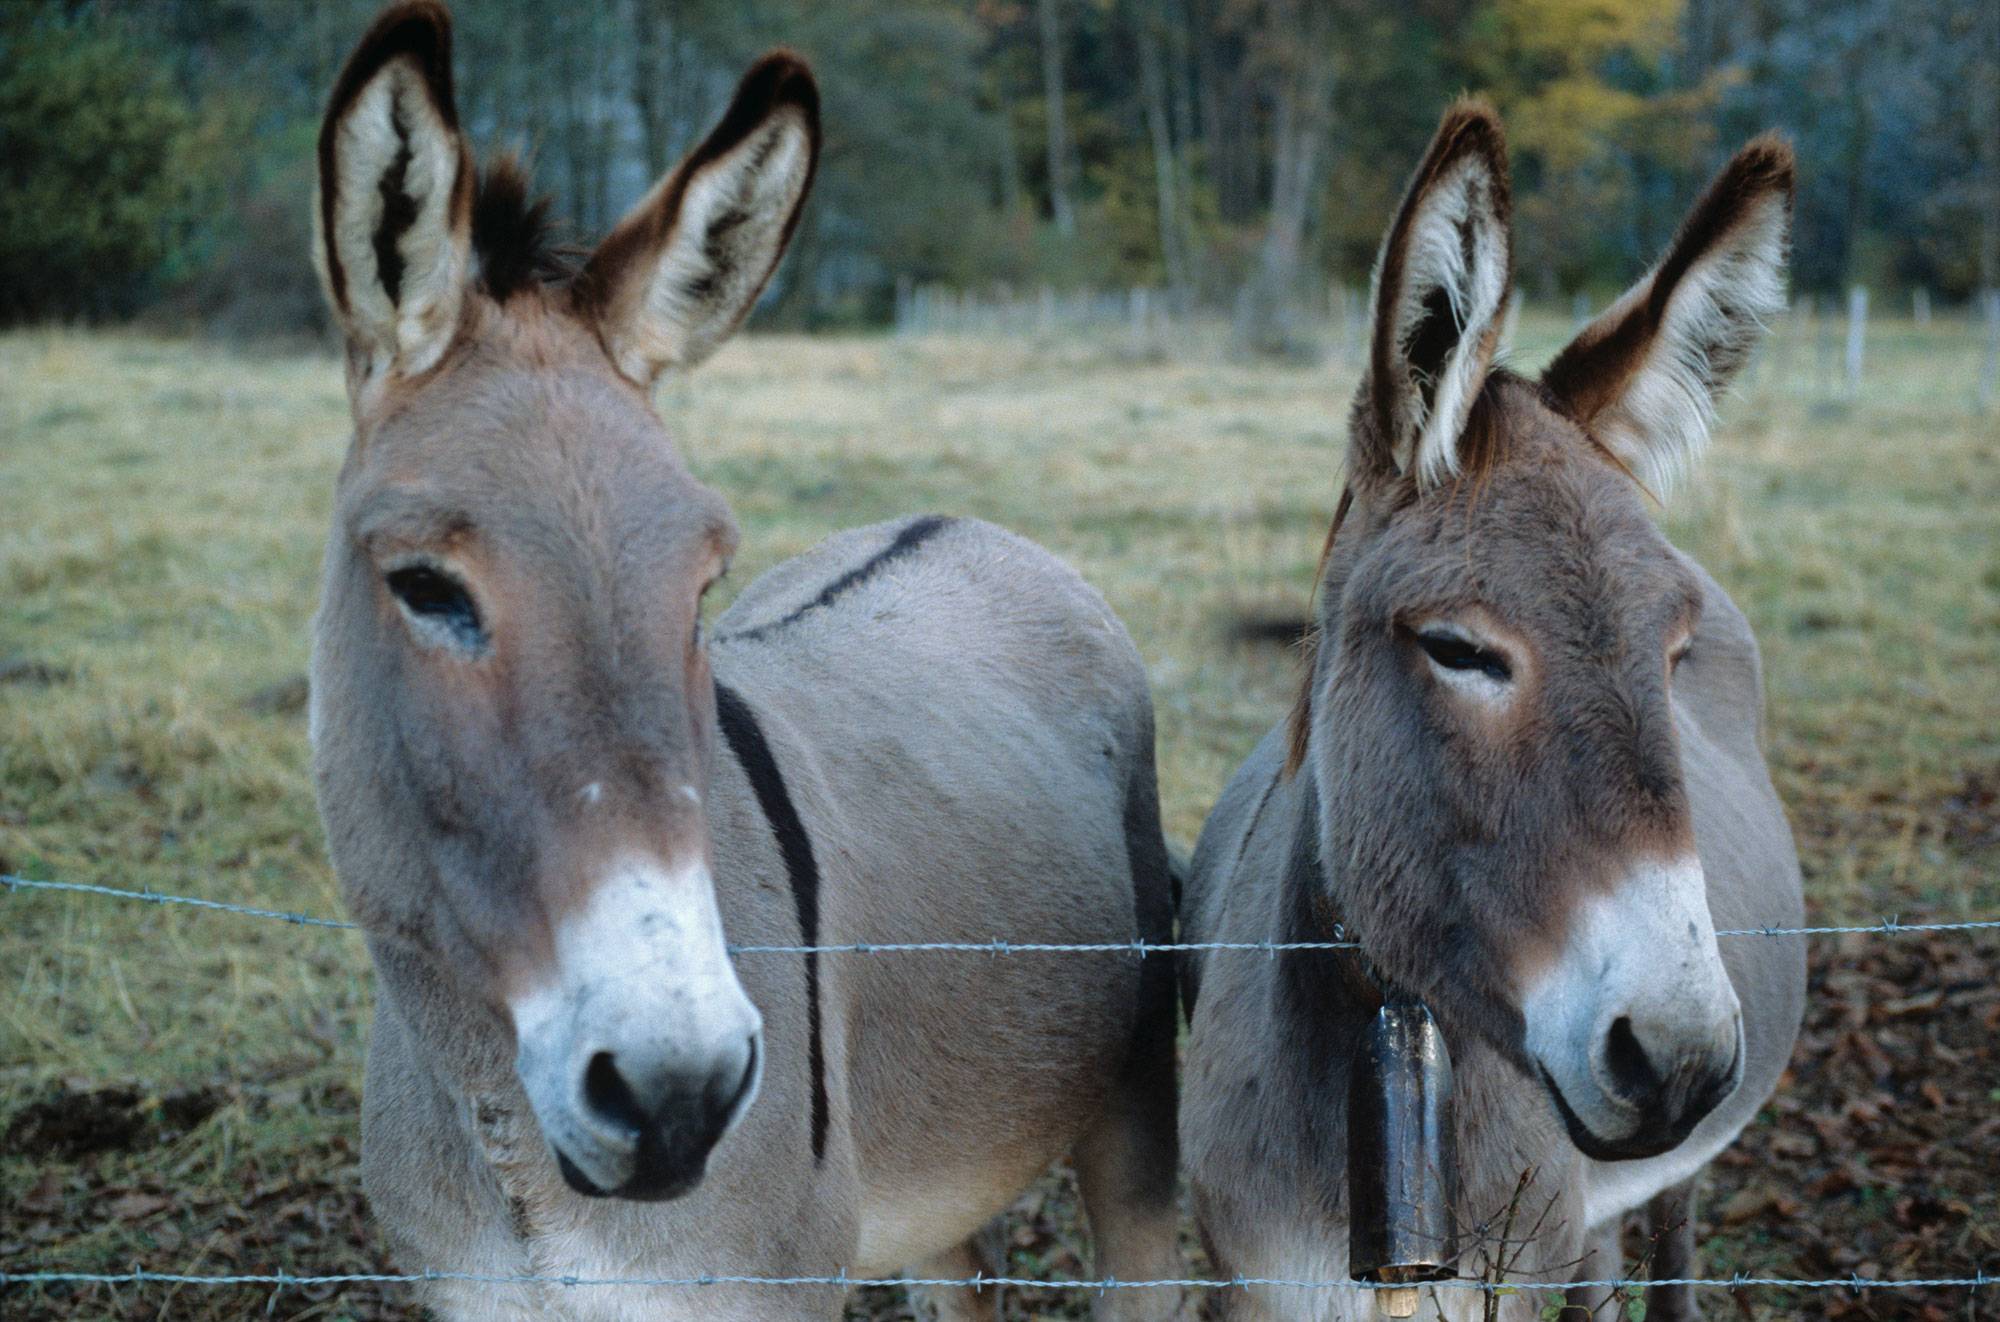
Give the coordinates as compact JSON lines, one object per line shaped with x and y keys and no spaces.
{"x":1525,"y":774}
{"x":928,"y":731}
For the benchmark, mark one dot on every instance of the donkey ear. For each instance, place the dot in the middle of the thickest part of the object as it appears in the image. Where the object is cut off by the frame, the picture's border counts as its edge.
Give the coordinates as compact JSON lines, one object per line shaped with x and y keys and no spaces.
{"x":682,"y":270}
{"x":1644,"y":376}
{"x":1440,"y":287}
{"x":395,"y":194}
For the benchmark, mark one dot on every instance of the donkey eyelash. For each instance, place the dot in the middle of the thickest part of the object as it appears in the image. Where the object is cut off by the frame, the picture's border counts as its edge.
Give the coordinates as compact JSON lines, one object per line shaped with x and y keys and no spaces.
{"x":1451,"y":652}
{"x":439,"y":602}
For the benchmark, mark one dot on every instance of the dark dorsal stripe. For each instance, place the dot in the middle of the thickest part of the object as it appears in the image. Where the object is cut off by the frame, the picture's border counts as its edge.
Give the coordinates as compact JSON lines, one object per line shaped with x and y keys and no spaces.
{"x":914,"y":534}
{"x":746,"y":741}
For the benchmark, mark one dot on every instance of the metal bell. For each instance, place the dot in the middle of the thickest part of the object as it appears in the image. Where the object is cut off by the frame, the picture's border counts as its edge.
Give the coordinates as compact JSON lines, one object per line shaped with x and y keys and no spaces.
{"x":1402,"y":1159}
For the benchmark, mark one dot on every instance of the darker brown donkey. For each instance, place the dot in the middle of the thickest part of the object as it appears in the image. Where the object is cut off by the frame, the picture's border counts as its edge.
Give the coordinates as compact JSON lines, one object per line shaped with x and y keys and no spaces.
{"x":1526,"y":774}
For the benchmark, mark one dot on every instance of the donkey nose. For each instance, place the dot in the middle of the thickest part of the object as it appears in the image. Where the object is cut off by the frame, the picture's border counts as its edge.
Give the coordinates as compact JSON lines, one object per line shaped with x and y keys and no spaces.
{"x":667,"y":1117}
{"x":1661,"y":1069}
{"x":624,"y":1095}
{"x":1630,"y":1074}
{"x":609,"y":1099}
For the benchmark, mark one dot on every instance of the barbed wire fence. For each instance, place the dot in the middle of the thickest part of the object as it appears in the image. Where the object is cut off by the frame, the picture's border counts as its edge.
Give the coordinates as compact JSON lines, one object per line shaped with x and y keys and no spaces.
{"x":280,"y":1281}
{"x":843,"y":1281}
{"x":1889,"y":926}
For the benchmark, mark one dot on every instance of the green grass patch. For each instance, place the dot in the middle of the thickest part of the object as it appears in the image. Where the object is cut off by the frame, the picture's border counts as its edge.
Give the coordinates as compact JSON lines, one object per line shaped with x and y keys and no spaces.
{"x":164,"y":508}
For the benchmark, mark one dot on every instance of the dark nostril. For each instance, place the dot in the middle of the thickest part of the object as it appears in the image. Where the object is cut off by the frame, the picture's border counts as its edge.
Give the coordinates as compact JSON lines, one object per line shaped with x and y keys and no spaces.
{"x":1632,"y":1074}
{"x":609,"y":1097}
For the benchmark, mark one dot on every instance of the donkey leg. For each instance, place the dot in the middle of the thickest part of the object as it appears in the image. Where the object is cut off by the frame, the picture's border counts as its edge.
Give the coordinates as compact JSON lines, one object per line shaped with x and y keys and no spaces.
{"x":1127,"y":1164}
{"x":978,"y":1256}
{"x":1134,"y":1223}
{"x":1603,"y":1259}
{"x":1671,"y":1214}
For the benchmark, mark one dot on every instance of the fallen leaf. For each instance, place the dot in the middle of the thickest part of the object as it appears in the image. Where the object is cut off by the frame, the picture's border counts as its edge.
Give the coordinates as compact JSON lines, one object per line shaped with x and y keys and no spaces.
{"x":1747,"y":1204}
{"x":46,"y":1196}
{"x":137,"y":1206}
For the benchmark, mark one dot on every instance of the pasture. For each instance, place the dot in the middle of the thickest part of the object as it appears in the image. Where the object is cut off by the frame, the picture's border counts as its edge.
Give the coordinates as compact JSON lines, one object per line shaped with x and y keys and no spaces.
{"x":180,"y":1089}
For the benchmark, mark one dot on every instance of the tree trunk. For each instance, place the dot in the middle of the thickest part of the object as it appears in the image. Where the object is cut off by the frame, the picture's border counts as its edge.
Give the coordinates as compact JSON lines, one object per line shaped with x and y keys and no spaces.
{"x":1304,"y":114}
{"x":1857,"y":175}
{"x":1180,"y":29}
{"x":1011,"y":186}
{"x":1221,"y":97}
{"x":1152,"y":78}
{"x":1060,"y":205}
{"x":649,"y":85}
{"x":1185,"y":93}
{"x":1986,"y":134}
{"x":604,"y":125}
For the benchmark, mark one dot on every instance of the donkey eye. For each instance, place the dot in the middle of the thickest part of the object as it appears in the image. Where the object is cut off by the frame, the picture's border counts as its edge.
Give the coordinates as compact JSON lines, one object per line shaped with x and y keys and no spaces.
{"x":440,"y":602}
{"x":1452,"y":652}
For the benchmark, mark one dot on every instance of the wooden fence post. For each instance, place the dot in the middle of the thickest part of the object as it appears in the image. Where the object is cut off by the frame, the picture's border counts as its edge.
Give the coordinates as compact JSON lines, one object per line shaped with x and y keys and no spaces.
{"x":1989,"y":375}
{"x":1857,"y":330}
{"x":1822,"y":329}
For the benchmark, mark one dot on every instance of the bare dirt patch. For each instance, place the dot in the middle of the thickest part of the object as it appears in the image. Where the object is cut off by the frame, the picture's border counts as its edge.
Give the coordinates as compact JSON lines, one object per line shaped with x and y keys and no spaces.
{"x":72,"y":1123}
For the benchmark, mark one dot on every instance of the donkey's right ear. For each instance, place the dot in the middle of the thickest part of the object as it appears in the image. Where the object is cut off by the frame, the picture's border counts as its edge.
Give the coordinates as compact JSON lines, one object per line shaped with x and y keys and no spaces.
{"x":1645,"y":375}
{"x":1441,"y":282}
{"x":683,"y":269}
{"x":393,"y":219}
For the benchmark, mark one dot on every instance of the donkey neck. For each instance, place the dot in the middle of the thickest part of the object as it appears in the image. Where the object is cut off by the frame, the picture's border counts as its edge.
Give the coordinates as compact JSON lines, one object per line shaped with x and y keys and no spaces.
{"x":1320,"y":1000}
{"x":469,"y":1049}
{"x":1317,"y":983}
{"x":1324,"y":1000}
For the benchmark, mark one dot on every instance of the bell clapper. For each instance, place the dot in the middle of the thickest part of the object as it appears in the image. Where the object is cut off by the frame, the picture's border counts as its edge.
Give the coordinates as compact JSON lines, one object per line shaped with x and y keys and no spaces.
{"x":1400,"y":1301}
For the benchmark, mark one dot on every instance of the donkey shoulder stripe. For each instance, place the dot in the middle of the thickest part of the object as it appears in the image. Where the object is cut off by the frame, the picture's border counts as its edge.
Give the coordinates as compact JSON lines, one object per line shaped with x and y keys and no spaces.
{"x":912,"y":535}
{"x":746,"y":741}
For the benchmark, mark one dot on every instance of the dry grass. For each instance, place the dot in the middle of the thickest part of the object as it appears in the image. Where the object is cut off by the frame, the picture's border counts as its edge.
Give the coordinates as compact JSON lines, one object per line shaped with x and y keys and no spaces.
{"x":164,"y":507}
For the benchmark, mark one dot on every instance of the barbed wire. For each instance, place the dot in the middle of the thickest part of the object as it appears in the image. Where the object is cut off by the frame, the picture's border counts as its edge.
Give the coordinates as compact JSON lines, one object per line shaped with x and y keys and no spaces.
{"x":285,"y":1280}
{"x":1891,"y":926}
{"x":281,"y":1280}
{"x":155,"y":897}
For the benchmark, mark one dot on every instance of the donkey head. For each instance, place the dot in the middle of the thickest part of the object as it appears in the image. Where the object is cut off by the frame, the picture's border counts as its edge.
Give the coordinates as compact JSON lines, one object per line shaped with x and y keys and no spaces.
{"x":513,"y":715}
{"x":1492,"y":716}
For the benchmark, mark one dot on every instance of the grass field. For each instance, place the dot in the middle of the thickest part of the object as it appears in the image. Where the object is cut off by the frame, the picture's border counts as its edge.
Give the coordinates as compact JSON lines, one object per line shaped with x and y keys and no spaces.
{"x":180,"y":1089}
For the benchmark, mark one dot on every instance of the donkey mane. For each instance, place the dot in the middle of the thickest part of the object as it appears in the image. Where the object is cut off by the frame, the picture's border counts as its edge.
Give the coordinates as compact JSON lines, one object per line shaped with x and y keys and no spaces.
{"x":516,"y":241}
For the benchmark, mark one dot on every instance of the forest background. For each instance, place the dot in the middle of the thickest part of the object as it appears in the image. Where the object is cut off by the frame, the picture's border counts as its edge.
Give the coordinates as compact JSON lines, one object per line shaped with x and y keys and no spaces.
{"x":1237,"y":156}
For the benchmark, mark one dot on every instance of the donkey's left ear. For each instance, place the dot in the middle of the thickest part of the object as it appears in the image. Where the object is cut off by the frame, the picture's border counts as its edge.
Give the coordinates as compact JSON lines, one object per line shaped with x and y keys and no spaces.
{"x":683,"y":269}
{"x":1645,"y":375}
{"x":393,"y":222}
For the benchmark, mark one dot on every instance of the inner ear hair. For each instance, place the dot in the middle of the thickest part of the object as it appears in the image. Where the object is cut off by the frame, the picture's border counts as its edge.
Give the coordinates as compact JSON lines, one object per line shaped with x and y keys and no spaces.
{"x":678,"y":275}
{"x":1644,"y":376}
{"x":395,"y":190}
{"x":1441,"y":284}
